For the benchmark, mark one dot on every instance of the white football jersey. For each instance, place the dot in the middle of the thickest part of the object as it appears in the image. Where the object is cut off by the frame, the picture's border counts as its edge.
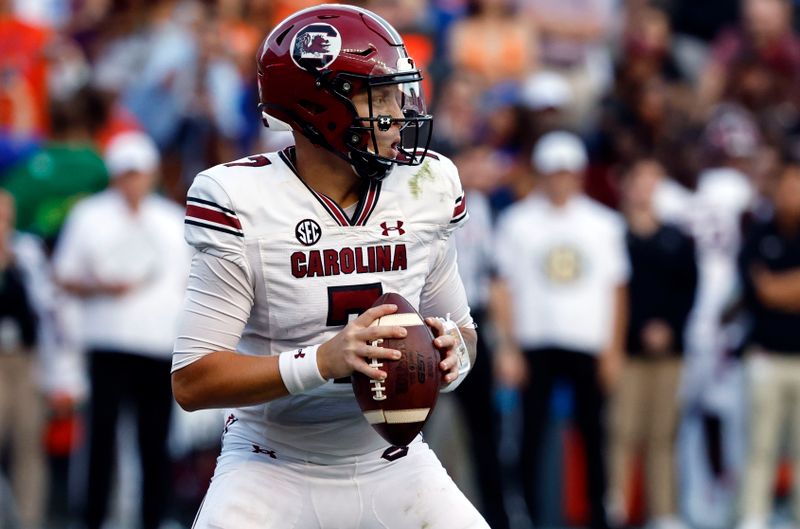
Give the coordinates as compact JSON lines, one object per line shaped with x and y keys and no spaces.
{"x":312,"y":268}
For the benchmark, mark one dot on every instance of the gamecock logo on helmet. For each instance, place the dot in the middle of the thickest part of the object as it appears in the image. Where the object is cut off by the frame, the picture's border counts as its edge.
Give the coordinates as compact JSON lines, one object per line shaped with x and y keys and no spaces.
{"x":316,"y":46}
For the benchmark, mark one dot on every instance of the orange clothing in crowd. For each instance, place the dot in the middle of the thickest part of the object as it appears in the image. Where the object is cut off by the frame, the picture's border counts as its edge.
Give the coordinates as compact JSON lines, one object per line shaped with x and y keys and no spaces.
{"x":285,"y":8}
{"x":23,"y":76}
{"x":420,"y":48}
{"x":496,"y":52}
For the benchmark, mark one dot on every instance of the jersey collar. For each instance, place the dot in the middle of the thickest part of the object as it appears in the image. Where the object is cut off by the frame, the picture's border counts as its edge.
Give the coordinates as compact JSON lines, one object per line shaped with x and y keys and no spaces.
{"x":366,"y":204}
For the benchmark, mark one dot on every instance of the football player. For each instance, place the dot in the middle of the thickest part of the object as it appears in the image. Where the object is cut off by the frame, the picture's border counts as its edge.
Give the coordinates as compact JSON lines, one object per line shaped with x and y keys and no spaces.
{"x":292,"y":249}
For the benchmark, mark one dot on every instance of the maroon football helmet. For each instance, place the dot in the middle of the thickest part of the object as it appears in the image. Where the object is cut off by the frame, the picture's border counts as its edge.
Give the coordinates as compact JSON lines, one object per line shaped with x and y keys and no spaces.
{"x":311,"y":65}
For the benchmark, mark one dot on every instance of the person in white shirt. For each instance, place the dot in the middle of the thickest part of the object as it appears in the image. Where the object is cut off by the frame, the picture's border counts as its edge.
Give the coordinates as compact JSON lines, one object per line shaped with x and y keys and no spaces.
{"x":560,"y":306}
{"x":122,"y":254}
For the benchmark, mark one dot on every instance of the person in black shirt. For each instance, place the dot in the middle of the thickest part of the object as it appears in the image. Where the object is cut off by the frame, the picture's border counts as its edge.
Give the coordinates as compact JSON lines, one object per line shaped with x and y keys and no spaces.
{"x":769,"y":265}
{"x":645,"y":403}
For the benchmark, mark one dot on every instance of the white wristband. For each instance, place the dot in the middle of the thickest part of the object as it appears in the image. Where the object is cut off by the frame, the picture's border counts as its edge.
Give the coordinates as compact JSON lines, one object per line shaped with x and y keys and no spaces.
{"x":299,"y":369}
{"x":464,"y":364}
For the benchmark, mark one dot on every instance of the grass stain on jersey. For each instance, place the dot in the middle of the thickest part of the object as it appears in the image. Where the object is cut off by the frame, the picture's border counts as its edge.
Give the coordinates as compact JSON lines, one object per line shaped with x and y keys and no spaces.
{"x":424,"y":174}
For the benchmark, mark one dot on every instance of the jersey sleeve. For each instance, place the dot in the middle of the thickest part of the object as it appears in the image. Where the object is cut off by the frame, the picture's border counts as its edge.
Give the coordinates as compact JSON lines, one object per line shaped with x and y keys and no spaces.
{"x":218,"y":302}
{"x":212,"y":224}
{"x":444,"y":292}
{"x":458,"y":215}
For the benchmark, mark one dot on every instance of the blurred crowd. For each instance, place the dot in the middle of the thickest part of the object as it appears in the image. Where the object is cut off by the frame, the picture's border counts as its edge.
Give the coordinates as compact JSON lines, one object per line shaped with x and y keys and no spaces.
{"x":633,"y":257}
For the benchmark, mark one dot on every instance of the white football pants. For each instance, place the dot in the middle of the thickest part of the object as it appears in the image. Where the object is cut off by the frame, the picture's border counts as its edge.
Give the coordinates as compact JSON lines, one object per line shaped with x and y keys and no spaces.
{"x":255,"y":491}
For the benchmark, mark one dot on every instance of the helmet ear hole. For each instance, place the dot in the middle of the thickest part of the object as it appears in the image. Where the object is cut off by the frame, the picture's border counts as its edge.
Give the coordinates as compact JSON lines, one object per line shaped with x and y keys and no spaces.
{"x":331,"y":126}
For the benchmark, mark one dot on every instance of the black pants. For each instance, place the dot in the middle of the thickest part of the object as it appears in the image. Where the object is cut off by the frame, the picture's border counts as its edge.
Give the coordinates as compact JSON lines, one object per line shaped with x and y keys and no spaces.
{"x":475,"y":395}
{"x":143,"y":384}
{"x":580,"y":369}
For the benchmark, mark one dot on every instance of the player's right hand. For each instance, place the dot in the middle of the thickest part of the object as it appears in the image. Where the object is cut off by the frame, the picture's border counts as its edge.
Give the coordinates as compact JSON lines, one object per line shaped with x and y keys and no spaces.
{"x":351,"y":350}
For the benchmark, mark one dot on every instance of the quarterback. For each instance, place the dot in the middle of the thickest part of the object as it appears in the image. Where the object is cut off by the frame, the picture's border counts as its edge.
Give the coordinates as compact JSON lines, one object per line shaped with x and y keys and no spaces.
{"x":292,"y":248}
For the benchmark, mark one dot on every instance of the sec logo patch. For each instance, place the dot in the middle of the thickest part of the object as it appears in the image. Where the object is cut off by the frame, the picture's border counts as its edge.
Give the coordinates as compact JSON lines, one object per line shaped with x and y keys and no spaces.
{"x":307,"y":232}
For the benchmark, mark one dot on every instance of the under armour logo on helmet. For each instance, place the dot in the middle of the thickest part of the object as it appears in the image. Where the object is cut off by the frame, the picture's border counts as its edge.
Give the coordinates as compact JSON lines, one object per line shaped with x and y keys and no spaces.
{"x":399,"y":228}
{"x":384,"y":122}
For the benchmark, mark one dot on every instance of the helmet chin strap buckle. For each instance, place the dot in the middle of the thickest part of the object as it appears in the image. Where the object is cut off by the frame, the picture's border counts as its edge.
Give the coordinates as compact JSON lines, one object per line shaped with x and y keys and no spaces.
{"x":369,"y":167}
{"x":384,"y":123}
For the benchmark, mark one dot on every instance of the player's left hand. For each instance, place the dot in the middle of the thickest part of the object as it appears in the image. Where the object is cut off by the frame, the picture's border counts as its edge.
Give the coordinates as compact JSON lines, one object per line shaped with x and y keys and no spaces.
{"x":446,"y":346}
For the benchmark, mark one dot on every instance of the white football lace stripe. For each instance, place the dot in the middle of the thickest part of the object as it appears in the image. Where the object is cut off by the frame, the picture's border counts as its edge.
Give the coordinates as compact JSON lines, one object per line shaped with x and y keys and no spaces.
{"x":408,"y":319}
{"x":396,"y":416}
{"x":377,"y":386}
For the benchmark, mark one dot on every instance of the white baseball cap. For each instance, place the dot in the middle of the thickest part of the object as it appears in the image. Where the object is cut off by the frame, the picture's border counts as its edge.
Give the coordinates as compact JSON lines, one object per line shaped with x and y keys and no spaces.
{"x":559,"y":151}
{"x":131,"y":151}
{"x":544,"y":90}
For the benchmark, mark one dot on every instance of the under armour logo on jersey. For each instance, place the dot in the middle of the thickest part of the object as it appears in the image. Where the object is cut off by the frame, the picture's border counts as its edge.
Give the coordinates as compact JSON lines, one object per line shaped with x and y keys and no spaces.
{"x":231,"y":419}
{"x":258,"y":450}
{"x":299,"y":354}
{"x":398,"y":228}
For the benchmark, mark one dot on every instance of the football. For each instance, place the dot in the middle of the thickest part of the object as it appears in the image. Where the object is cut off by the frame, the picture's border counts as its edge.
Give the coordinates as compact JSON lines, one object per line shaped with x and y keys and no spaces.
{"x":399,"y":406}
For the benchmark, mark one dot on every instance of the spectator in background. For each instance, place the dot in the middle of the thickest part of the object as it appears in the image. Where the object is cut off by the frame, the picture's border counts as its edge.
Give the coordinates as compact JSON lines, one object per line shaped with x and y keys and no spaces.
{"x":769,"y":265}
{"x":696,"y":25}
{"x":241,"y":30}
{"x":63,"y":170}
{"x":21,"y":402}
{"x":561,"y":307}
{"x":645,"y":120}
{"x":476,"y":394}
{"x":646,"y":46}
{"x":411,"y":18}
{"x":647,"y":110}
{"x":23,"y":86}
{"x":573,"y":42}
{"x":758,"y":63}
{"x":457,"y":114}
{"x":174,"y":74}
{"x":725,"y":192}
{"x":499,"y":165}
{"x":644,"y":406}
{"x":547,"y":97}
{"x":23,"y":74}
{"x":122,"y":253}
{"x":710,"y":443}
{"x":493,"y":43}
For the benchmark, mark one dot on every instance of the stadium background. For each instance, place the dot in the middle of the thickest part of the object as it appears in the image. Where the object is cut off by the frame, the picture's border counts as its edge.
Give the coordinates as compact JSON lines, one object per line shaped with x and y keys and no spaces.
{"x":684,"y":82}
